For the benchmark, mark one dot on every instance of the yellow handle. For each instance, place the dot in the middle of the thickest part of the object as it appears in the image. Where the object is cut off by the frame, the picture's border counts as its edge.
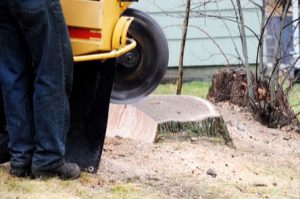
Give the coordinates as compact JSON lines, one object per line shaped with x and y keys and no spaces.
{"x":107,"y":55}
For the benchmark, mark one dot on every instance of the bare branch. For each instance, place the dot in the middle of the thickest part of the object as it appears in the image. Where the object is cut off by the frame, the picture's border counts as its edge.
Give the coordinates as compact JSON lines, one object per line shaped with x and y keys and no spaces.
{"x":275,"y":61}
{"x":212,"y":39}
{"x":245,"y":51}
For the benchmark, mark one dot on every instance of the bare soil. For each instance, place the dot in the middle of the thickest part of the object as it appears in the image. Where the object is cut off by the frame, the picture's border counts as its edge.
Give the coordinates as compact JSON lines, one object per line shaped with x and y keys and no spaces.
{"x":264,"y":162}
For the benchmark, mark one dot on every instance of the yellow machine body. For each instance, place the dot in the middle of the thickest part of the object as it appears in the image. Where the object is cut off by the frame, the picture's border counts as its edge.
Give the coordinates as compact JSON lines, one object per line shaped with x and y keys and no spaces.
{"x":97,"y":29}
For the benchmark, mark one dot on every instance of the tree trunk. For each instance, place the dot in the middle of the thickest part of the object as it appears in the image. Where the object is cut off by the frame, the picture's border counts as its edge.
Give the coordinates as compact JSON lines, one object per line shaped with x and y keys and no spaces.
{"x":183,"y":41}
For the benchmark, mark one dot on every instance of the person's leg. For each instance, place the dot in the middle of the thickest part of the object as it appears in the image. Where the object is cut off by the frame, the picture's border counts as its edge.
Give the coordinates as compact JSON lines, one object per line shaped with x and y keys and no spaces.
{"x":45,"y":31}
{"x":15,"y":74}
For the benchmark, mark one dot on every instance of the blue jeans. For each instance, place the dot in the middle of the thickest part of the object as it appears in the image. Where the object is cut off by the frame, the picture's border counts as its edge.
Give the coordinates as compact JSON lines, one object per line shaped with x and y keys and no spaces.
{"x":36,"y":68}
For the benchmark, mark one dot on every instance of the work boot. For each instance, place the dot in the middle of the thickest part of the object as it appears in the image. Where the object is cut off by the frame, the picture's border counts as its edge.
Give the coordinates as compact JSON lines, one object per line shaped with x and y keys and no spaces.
{"x":66,"y":171}
{"x":4,"y":157}
{"x":20,"y":171}
{"x":4,"y":154}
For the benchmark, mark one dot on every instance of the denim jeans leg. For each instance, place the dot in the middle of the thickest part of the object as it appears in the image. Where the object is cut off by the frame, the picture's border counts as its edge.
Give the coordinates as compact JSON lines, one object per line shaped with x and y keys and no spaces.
{"x":15,"y":75}
{"x":44,"y":28}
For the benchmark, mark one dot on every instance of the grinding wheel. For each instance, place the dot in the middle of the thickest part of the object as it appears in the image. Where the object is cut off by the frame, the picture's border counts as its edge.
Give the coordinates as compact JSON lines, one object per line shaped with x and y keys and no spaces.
{"x":140,"y":71}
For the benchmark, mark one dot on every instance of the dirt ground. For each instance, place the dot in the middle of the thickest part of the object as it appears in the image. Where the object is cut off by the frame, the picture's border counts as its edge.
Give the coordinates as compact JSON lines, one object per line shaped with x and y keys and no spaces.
{"x":265,"y":163}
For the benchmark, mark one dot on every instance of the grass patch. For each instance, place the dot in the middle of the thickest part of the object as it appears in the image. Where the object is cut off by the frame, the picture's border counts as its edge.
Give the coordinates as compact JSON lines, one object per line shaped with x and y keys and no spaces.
{"x":294,"y":99}
{"x":198,"y":89}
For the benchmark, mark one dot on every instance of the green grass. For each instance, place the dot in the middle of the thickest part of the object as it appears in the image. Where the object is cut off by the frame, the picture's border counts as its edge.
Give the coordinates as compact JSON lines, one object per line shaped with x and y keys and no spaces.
{"x":294,"y":98}
{"x":198,"y":89}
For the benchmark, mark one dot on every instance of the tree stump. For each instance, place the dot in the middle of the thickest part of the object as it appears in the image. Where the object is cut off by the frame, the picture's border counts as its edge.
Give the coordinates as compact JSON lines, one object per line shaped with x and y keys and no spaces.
{"x":164,"y":117}
{"x":229,"y":84}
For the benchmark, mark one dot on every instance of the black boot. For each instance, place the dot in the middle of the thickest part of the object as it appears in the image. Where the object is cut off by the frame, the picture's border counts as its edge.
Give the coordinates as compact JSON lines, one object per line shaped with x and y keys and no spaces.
{"x":20,"y":171}
{"x":66,"y":171}
{"x":4,"y":154}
